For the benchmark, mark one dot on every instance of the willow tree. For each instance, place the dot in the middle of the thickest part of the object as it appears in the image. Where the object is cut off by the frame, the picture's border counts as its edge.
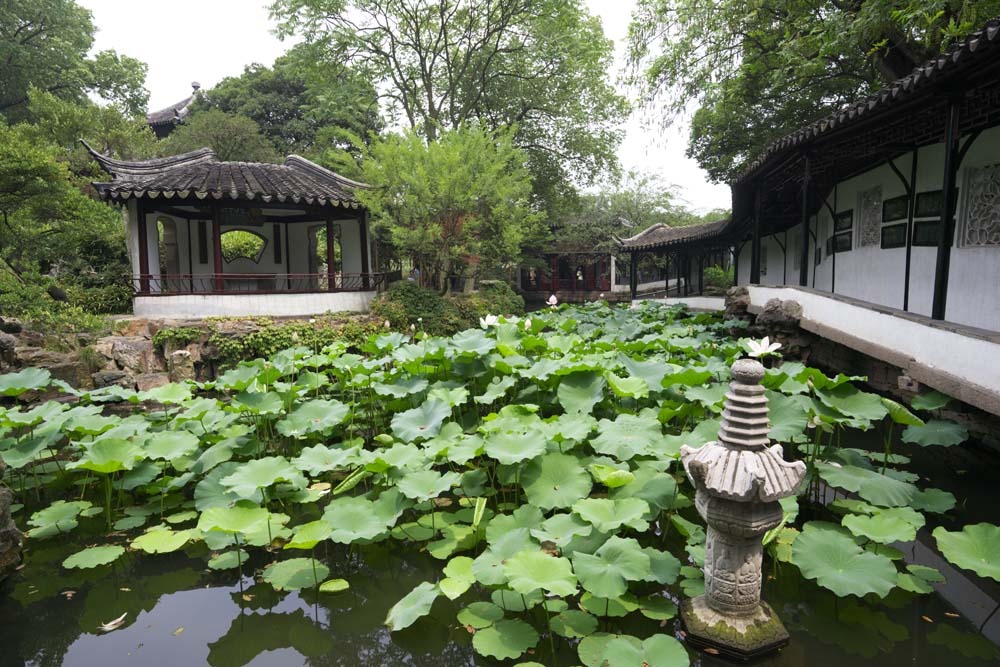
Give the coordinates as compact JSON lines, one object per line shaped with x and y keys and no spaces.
{"x":759,"y":69}
{"x":458,"y":205}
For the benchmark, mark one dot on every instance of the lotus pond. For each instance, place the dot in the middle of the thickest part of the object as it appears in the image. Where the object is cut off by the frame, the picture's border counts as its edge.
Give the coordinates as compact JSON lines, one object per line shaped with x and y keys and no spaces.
{"x":510,"y":495}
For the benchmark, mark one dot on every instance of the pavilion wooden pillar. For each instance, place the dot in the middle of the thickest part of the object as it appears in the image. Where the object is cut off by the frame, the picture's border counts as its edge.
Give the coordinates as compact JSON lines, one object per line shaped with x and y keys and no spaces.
{"x":363,"y":233}
{"x":331,"y":257}
{"x":804,"y":242}
{"x":755,"y":241}
{"x":947,"y":228}
{"x":218,"y":282}
{"x":142,"y":233}
{"x":633,"y":275}
{"x":910,"y":214}
{"x":678,"y":265}
{"x":666,"y":277}
{"x":701,"y":273}
{"x":687,"y":272}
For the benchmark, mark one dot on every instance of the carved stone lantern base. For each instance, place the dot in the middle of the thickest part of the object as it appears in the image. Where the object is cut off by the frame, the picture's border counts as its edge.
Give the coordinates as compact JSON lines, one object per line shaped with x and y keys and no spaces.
{"x":738,"y":637}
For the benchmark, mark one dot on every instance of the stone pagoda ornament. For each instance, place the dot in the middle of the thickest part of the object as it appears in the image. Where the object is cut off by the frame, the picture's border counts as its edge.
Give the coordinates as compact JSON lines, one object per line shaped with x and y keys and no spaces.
{"x":739,"y":480}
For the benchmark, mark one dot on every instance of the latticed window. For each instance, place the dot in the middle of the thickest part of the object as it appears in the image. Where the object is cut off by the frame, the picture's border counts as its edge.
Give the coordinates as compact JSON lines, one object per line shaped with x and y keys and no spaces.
{"x":981,"y":213}
{"x":870,"y":222}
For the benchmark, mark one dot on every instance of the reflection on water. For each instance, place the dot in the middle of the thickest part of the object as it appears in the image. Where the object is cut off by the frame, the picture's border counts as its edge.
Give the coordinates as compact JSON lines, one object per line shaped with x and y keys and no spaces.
{"x":180,"y":613}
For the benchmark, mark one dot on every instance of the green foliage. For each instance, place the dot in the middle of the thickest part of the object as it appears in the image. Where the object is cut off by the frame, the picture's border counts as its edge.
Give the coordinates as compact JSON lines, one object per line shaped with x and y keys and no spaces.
{"x":382,"y":443}
{"x":717,"y":279}
{"x":464,"y":196}
{"x":232,"y":137}
{"x":274,"y":336}
{"x":176,"y":337}
{"x":756,"y":77}
{"x":541,"y":68}
{"x":46,"y":44}
{"x":407,"y":304}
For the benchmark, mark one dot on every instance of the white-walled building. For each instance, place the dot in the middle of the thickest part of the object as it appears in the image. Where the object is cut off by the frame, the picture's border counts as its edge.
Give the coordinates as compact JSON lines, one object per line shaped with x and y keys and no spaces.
{"x":211,"y":238}
{"x":852,"y":205}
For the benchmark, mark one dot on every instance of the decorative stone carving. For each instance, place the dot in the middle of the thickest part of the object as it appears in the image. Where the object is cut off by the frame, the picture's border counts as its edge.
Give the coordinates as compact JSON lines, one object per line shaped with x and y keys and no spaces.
{"x":739,"y":480}
{"x":981,"y":225}
{"x":870,"y":228}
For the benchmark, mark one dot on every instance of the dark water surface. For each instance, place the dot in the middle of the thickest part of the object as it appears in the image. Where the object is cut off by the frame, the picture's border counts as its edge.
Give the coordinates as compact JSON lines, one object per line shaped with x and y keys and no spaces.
{"x":180,"y":613}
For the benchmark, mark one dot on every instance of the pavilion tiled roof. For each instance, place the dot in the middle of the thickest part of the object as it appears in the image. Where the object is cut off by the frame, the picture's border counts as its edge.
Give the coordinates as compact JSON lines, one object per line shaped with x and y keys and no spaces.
{"x":174,"y":113}
{"x":661,"y":235}
{"x":200,"y":175}
{"x":979,"y":44}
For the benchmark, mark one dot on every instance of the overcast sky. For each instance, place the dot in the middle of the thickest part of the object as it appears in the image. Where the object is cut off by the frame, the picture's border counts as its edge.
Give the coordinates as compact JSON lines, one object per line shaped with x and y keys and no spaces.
{"x":229,"y":34}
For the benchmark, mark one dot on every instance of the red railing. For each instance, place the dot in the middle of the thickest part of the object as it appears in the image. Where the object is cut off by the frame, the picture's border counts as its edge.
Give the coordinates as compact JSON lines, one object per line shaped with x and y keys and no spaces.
{"x":254,"y":283}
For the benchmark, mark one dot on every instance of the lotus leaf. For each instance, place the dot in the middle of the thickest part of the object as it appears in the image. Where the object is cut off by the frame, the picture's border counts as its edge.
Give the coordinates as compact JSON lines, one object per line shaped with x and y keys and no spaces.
{"x":94,"y":557}
{"x":401,"y":388}
{"x":531,"y":570}
{"x":262,"y":473}
{"x":561,"y":528}
{"x":295,"y":573}
{"x":15,"y":384}
{"x":505,"y":639}
{"x":308,"y":535}
{"x":496,"y":389}
{"x":159,"y":540}
{"x":420,"y":423}
{"x":936,"y":432}
{"x":317,"y":459}
{"x":607,"y":515}
{"x":610,"y":476}
{"x":59,"y":517}
{"x":316,"y":416}
{"x":110,"y":455}
{"x":509,"y":448}
{"x":458,"y":577}
{"x":632,"y":387}
{"x":836,"y":562}
{"x":473,"y":342}
{"x":555,"y":480}
{"x":607,"y":572}
{"x":788,"y":415}
{"x":656,"y":651}
{"x":886,"y":526}
{"x":974,"y":548}
{"x":627,"y":436}
{"x":414,"y":604}
{"x":932,"y":400}
{"x":334,"y":586}
{"x":489,"y":565}
{"x":479,"y":615}
{"x":580,"y":391}
{"x":663,"y":566}
{"x":899,"y":413}
{"x":427,"y":484}
{"x":872,"y":486}
{"x":353,"y":519}
{"x":238,"y":519}
{"x":228,"y":560}
{"x":573,"y":624}
{"x":933,"y":500}
{"x":657,"y":608}
{"x":170,"y":445}
{"x":851,"y":401}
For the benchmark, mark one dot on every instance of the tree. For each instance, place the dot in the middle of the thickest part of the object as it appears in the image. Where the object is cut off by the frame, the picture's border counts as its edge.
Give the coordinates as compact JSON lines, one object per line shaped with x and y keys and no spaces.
{"x":759,"y":69}
{"x":232,"y":137}
{"x":303,"y":104}
{"x":45,"y":44}
{"x":459,"y":202}
{"x":539,"y":66}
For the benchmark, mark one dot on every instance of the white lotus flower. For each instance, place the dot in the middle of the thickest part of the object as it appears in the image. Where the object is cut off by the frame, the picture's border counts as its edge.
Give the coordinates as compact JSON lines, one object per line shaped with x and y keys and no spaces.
{"x":527,"y":324}
{"x":312,"y":321}
{"x":762,"y":348}
{"x":488,"y":321}
{"x":601,"y":295}
{"x":386,"y":324}
{"x":552,"y":300}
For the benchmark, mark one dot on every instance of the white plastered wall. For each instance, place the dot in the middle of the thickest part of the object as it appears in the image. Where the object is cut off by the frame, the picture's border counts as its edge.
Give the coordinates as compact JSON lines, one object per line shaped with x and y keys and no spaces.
{"x":875,"y":274}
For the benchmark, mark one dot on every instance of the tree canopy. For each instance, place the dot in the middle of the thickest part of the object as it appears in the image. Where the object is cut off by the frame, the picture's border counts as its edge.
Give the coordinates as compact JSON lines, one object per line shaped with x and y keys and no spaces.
{"x":231,"y":136}
{"x":459,"y":204}
{"x":45,"y":44}
{"x":304,"y":104}
{"x":538,"y":66}
{"x":759,"y":69}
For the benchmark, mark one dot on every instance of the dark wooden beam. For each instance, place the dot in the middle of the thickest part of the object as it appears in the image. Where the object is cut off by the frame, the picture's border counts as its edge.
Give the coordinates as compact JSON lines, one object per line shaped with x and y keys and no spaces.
{"x":217,"y":267}
{"x":363,"y":233}
{"x":947,"y":228}
{"x":143,"y":235}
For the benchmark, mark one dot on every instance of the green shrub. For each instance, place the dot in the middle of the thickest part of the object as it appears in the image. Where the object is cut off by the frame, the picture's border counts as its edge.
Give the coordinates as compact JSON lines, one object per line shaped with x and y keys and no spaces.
{"x":717,"y":279}
{"x":273,"y":337}
{"x":405,"y":304}
{"x":176,"y":337}
{"x":109,"y":299}
{"x":30,"y":302}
